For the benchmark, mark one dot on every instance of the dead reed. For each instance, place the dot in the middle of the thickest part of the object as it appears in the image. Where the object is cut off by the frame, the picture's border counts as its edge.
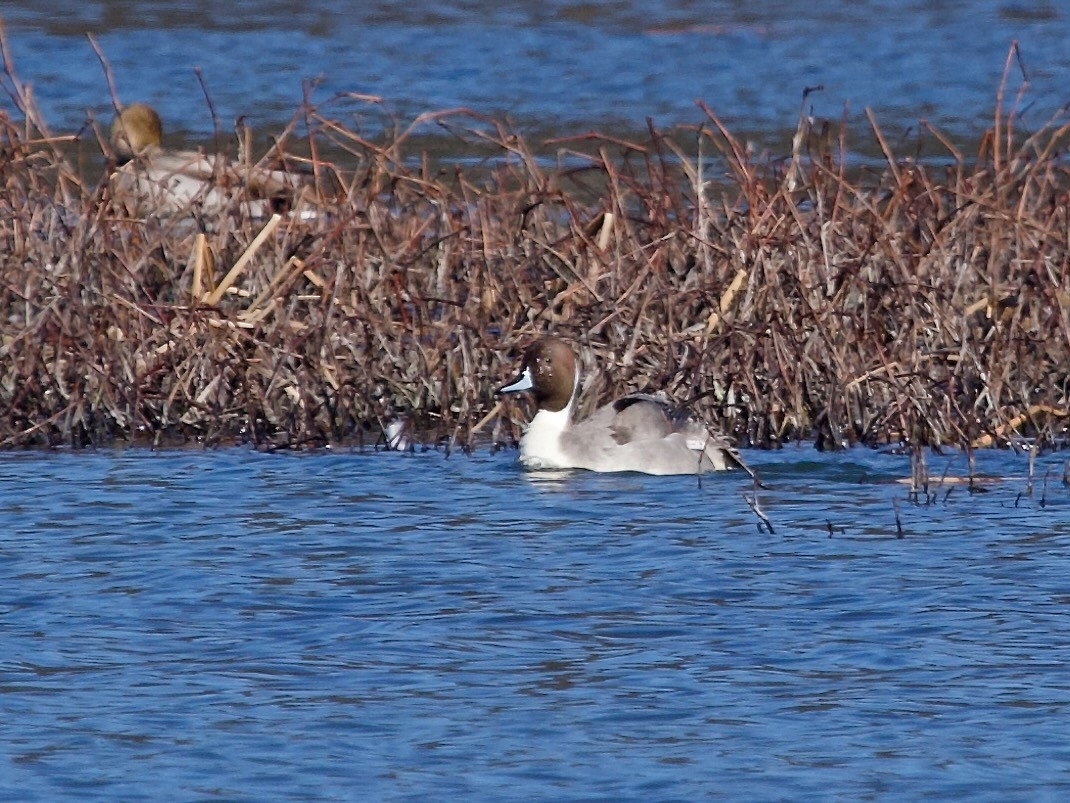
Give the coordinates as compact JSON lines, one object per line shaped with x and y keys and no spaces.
{"x":784,"y":299}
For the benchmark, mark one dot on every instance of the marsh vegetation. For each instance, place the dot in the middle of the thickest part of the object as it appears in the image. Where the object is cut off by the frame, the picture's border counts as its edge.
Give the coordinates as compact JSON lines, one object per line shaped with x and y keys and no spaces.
{"x":793,"y":296}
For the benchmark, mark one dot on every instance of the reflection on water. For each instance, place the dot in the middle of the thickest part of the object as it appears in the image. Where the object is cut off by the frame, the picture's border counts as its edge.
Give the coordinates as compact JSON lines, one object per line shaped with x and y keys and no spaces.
{"x":238,"y":625}
{"x":551,"y":66}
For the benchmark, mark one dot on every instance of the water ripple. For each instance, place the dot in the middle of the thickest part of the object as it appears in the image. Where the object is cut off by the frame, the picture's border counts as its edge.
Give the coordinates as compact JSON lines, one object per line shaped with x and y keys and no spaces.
{"x":240,"y":625}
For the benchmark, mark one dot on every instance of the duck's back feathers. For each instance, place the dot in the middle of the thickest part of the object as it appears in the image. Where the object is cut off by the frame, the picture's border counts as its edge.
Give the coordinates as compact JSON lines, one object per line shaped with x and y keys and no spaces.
{"x":645,"y":433}
{"x":641,"y":417}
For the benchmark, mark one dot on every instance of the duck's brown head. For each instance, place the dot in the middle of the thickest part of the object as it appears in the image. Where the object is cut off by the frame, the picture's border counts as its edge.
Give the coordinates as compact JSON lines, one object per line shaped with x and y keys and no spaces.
{"x":549,"y":372}
{"x":135,"y":131}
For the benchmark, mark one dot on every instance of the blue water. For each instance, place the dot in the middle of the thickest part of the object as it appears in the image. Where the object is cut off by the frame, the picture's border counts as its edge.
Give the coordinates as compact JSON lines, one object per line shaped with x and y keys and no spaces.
{"x":553,"y":66}
{"x":235,"y":625}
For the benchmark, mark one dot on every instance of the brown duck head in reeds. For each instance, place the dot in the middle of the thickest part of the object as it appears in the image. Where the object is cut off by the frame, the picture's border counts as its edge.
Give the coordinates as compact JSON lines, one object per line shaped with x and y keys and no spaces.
{"x":640,"y":432}
{"x":135,"y":131}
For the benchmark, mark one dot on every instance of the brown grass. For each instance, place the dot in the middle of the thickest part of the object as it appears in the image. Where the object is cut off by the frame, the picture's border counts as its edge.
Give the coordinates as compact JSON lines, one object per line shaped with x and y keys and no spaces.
{"x":784,"y":299}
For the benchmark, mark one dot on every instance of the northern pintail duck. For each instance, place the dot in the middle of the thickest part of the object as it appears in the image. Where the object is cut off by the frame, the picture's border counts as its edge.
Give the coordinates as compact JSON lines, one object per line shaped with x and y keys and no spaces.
{"x":152,"y":180}
{"x":640,"y":432}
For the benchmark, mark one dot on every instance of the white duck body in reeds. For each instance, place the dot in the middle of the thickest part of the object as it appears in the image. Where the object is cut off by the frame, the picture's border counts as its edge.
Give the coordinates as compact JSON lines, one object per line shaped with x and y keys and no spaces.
{"x":641,"y":433}
{"x":152,"y":180}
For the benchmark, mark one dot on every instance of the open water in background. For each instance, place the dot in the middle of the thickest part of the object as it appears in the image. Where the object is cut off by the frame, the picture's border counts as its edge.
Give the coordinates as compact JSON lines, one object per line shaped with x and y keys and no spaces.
{"x":227,"y":624}
{"x":553,"y":66}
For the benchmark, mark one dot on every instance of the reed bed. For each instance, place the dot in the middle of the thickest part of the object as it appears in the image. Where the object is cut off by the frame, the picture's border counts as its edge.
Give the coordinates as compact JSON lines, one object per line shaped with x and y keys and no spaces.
{"x":916,"y":303}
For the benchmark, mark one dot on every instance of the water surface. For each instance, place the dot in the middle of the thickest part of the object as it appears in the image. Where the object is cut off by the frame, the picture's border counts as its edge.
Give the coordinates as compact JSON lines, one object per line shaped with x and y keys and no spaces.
{"x":229,"y":624}
{"x":553,"y":67}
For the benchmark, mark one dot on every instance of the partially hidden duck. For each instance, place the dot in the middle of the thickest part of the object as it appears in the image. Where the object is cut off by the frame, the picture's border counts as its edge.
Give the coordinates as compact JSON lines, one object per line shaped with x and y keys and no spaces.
{"x":152,"y":180}
{"x":641,"y":433}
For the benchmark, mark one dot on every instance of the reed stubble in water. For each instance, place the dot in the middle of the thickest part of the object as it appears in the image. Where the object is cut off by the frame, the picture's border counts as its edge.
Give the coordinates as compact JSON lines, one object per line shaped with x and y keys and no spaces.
{"x":784,"y":299}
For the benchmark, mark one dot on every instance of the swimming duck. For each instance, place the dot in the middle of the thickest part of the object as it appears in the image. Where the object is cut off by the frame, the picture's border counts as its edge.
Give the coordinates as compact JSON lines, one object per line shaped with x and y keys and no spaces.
{"x":640,"y":432}
{"x":151,"y":180}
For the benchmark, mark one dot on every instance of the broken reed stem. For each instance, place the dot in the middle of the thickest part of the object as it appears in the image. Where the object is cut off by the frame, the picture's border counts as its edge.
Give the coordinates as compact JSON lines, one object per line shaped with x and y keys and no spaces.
{"x":753,"y":504}
{"x":232,"y":276}
{"x":286,"y":274}
{"x":198,"y":258}
{"x":1007,"y":428}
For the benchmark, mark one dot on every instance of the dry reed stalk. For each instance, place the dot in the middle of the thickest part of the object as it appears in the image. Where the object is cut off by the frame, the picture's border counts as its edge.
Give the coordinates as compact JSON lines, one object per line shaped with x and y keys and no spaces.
{"x":247,"y":255}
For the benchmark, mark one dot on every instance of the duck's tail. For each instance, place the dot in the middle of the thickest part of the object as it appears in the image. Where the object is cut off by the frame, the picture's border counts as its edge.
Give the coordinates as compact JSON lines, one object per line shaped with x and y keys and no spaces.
{"x":722,"y":455}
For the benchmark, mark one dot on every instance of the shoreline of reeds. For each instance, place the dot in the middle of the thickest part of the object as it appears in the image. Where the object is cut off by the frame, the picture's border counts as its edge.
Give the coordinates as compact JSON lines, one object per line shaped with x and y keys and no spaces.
{"x":783,"y":299}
